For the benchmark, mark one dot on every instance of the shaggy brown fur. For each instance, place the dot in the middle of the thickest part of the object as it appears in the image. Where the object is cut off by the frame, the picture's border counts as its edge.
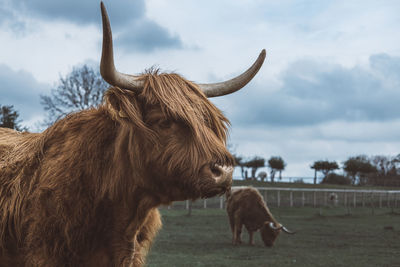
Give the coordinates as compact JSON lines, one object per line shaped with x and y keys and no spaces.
{"x":247,"y":207}
{"x":85,"y":191}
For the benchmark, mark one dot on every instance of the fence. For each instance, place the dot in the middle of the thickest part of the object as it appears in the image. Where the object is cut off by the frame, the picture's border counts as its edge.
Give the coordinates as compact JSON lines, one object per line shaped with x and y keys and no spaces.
{"x":307,"y":197}
{"x":372,"y":180}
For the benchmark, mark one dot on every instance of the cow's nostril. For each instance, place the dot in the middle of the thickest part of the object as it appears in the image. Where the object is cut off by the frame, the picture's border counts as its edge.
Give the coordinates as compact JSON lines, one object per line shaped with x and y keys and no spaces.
{"x":216,"y":170}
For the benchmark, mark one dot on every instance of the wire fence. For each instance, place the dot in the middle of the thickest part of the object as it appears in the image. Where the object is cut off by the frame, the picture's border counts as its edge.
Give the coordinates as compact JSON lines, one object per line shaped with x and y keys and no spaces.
{"x":374,"y":180}
{"x":306,"y":197}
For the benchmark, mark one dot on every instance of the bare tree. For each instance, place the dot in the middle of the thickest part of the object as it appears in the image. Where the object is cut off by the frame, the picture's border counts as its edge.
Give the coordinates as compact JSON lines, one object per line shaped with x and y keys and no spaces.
{"x":323,"y":166}
{"x":254,"y":164}
{"x":358,"y":168}
{"x":81,"y":89}
{"x":239,"y":162}
{"x":276,"y":164}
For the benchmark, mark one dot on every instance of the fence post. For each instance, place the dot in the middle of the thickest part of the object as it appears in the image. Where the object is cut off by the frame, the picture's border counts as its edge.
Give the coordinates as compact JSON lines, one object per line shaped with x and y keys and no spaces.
{"x":355,"y":199}
{"x":291,"y":198}
{"x":345,"y":199}
{"x":221,"y":202}
{"x":303,"y":199}
{"x":388,"y":200}
{"x":187,"y":204}
{"x":363,"y":201}
{"x":315,"y":199}
{"x":380,"y":200}
{"x":325,"y":199}
{"x":278,"y":195}
{"x":372,"y":203}
{"x":205,"y":203}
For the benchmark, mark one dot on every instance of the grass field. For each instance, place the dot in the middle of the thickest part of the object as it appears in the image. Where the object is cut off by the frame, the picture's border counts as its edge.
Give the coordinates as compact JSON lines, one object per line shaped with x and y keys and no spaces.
{"x":325,"y":237}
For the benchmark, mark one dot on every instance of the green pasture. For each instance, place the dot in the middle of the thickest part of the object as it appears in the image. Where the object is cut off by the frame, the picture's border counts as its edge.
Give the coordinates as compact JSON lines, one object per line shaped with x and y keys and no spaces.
{"x":325,"y":237}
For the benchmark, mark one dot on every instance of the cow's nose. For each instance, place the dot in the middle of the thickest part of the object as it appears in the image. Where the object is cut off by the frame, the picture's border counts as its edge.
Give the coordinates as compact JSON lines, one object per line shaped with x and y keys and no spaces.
{"x":222,"y":174}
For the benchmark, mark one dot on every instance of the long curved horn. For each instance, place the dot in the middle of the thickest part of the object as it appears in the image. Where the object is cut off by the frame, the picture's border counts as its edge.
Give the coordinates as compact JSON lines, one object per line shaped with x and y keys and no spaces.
{"x":287,"y":231}
{"x":281,"y":227}
{"x":232,"y":85}
{"x":273,"y":227}
{"x":107,"y":67}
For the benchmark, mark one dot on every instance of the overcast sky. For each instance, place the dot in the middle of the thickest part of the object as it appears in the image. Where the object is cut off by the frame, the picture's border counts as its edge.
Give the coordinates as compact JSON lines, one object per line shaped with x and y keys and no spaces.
{"x":329,"y":88}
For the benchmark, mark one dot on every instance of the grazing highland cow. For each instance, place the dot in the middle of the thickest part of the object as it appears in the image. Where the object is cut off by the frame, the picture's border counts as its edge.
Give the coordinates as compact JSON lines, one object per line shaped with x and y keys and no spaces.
{"x":246,"y":207}
{"x":333,"y":199}
{"x":85,"y":192}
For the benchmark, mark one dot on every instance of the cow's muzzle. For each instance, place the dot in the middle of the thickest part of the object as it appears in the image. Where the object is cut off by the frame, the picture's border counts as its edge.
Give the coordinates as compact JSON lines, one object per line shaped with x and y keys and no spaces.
{"x":219,"y":181}
{"x":222,"y":174}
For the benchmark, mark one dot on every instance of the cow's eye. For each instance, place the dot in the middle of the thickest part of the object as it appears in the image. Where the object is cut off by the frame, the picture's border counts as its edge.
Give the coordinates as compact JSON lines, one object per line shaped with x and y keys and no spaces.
{"x":165,"y":124}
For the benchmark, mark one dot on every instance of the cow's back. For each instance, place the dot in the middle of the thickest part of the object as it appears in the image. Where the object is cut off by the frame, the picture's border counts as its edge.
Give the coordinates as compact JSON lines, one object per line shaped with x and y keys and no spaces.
{"x":245,"y":198}
{"x":10,"y":138}
{"x":248,"y":204}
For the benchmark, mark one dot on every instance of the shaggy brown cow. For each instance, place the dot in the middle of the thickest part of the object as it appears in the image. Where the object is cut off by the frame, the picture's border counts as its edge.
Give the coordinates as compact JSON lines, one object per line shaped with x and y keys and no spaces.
{"x":85,"y":192}
{"x":246,"y":207}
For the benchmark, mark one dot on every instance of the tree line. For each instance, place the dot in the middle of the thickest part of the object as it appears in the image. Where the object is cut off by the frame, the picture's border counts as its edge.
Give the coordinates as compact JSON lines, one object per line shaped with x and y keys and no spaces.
{"x":275,"y":164}
{"x":357,"y":170}
{"x":361,"y":170}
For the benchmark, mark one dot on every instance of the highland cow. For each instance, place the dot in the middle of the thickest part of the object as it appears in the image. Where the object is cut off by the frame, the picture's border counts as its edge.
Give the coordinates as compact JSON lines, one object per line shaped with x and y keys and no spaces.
{"x":85,"y":192}
{"x":333,"y":199}
{"x":246,"y":207}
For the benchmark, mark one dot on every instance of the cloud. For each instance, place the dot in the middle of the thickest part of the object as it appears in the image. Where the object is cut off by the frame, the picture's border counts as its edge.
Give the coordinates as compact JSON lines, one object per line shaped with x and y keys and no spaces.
{"x":79,"y":12}
{"x":127,"y":18}
{"x":10,"y":19}
{"x":147,"y":36}
{"x":20,"y":89}
{"x":313,"y":92}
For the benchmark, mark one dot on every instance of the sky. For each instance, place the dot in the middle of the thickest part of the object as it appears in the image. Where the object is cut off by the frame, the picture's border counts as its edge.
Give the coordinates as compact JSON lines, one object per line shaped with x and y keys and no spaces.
{"x":329,"y":88}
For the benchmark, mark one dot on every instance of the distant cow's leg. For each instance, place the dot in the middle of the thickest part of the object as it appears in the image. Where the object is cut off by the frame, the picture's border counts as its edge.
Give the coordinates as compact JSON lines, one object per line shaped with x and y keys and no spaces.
{"x":237,"y":231}
{"x":232,"y":224}
{"x":251,"y":239}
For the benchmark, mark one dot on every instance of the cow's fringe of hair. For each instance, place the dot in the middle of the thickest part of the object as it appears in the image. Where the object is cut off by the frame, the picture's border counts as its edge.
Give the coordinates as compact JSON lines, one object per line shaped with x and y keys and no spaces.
{"x":183,"y":100}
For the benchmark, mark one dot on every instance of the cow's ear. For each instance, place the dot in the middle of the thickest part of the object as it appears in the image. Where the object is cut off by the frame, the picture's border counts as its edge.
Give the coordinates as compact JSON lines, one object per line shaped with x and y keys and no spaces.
{"x":123,"y":106}
{"x":266,"y":223}
{"x":112,"y":104}
{"x":276,"y":227}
